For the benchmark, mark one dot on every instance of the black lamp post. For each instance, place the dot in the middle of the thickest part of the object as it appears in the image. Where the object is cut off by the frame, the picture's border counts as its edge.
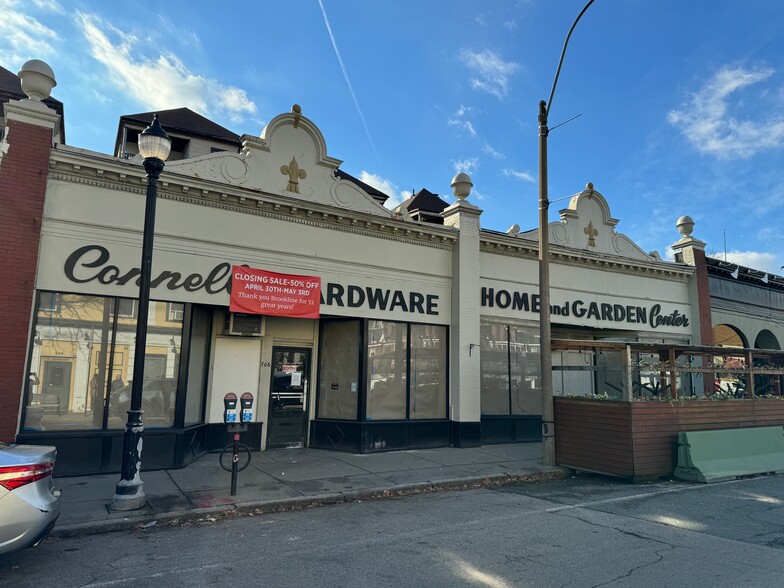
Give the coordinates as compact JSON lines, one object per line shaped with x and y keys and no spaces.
{"x":154,"y":147}
{"x":545,"y":334}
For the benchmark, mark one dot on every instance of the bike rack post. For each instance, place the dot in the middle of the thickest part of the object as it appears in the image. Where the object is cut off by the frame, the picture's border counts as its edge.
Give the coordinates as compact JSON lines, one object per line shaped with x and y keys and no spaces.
{"x":235,"y":459}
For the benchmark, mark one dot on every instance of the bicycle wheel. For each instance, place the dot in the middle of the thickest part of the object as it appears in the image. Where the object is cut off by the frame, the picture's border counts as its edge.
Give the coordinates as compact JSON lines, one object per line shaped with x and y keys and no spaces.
{"x":229,"y":450}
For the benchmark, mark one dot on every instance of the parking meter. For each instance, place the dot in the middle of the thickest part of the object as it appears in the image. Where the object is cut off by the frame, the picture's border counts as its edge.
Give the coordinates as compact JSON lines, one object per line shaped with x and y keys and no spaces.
{"x":233,"y":426}
{"x":230,"y":408}
{"x":246,"y":406}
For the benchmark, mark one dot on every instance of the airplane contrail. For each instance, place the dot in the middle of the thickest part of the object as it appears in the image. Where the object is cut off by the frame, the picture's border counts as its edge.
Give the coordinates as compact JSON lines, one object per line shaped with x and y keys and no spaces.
{"x":348,"y":83}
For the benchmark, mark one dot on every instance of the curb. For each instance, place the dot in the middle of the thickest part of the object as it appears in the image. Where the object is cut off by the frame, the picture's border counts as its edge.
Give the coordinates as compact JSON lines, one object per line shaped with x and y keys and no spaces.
{"x":214,"y":513}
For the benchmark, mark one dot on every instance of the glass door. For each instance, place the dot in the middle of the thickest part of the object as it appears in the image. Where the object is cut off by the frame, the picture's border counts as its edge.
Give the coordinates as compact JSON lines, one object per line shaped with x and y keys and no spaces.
{"x":288,"y":397}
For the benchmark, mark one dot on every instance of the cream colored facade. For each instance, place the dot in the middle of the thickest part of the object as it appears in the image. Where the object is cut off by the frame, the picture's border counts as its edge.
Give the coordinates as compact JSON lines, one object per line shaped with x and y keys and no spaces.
{"x":279,"y":206}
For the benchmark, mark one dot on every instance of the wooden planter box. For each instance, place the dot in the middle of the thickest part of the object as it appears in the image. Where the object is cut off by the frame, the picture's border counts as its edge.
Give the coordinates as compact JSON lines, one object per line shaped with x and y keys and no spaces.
{"x":639,"y":440}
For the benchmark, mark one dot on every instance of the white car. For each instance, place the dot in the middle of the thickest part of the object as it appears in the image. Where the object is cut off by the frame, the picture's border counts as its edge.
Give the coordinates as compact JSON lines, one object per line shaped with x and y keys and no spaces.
{"x":29,"y":504}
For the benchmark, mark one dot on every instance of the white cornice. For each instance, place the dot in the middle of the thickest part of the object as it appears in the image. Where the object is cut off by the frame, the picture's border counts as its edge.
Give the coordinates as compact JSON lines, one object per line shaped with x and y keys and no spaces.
{"x":103,"y":171}
{"x":528,"y":249}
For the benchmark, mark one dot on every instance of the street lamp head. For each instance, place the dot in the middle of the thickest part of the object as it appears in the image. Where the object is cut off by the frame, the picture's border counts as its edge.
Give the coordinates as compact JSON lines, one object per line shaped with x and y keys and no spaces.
{"x":154,"y":142}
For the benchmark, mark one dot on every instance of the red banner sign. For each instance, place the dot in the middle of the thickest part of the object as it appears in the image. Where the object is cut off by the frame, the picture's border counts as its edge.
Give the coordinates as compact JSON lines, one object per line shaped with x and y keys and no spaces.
{"x":255,"y":291}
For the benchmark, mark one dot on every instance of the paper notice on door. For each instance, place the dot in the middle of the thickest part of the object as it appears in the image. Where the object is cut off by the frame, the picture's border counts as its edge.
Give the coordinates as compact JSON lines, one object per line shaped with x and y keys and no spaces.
{"x":296,"y":378}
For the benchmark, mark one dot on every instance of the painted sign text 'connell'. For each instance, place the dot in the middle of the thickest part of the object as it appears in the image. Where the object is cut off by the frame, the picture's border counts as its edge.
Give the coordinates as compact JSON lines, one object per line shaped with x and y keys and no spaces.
{"x":91,"y":264}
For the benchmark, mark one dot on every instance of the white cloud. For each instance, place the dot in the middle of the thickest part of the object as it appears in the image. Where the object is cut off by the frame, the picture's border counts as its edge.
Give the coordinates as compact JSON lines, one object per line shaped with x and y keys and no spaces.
{"x":102,"y":98}
{"x":477,"y":195}
{"x":519,"y":175}
{"x":769,"y":234}
{"x":492,"y":72}
{"x":465,"y":111}
{"x":760,"y":260}
{"x":387,"y":187}
{"x":493,"y":152}
{"x":468,"y":165}
{"x":510,"y":25}
{"x":480,"y":20}
{"x":48,"y":6}
{"x":22,"y":37}
{"x":706,"y":123}
{"x":463,"y":124}
{"x":163,"y":82}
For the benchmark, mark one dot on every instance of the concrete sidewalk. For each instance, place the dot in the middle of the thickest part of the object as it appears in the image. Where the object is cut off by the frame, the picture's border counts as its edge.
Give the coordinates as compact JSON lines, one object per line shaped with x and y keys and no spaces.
{"x":292,"y":478}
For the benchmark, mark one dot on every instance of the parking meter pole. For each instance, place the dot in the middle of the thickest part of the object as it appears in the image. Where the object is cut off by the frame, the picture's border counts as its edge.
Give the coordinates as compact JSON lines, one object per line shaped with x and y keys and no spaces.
{"x":230,"y":418}
{"x":235,"y":458}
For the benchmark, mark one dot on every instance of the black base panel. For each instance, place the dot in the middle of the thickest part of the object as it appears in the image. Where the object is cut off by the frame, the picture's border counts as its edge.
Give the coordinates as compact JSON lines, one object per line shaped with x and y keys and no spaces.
{"x":511,"y":429}
{"x":375,"y":437}
{"x":82,"y":453}
{"x":466,"y":434}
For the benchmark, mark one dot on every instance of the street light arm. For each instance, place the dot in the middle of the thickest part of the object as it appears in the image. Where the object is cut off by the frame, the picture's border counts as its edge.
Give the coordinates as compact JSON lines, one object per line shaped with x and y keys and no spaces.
{"x":545,"y":334}
{"x":563,"y":53}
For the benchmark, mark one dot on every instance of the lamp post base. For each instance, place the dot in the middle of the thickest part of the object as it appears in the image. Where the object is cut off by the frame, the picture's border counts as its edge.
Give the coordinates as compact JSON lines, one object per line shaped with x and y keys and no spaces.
{"x":128,"y":496}
{"x":129,"y":490}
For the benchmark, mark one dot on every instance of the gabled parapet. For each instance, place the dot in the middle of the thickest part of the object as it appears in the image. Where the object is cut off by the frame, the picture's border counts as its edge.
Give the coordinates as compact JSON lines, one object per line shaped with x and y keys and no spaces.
{"x":288,"y":159}
{"x":587,"y":225}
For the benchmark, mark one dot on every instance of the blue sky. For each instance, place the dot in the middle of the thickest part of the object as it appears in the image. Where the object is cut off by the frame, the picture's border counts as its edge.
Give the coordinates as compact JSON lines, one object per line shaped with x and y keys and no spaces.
{"x":681,"y":103}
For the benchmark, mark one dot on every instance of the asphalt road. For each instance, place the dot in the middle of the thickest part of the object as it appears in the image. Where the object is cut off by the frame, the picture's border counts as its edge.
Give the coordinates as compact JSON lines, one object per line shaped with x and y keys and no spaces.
{"x":582,"y":531}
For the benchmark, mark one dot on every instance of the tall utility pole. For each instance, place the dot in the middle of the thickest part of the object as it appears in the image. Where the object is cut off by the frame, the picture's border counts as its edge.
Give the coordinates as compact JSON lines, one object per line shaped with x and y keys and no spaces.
{"x":545,"y":335}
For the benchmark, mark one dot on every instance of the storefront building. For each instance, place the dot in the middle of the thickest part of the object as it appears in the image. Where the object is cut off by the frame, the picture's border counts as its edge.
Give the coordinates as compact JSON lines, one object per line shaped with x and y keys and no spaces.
{"x":747,"y":306}
{"x":427,"y":331}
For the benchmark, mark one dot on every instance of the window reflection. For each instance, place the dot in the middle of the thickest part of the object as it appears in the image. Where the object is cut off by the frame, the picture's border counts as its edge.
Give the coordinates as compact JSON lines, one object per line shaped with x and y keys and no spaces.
{"x":494,"y":369}
{"x":510,"y":370}
{"x":428,"y":372}
{"x":405,"y":370}
{"x":82,"y":360}
{"x":386,"y":384}
{"x":161,"y":366}
{"x":339,"y":370}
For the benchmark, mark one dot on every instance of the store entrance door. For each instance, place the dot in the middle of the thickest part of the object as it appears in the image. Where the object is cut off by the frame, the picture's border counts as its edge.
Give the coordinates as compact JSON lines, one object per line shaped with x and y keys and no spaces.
{"x":288,"y":397}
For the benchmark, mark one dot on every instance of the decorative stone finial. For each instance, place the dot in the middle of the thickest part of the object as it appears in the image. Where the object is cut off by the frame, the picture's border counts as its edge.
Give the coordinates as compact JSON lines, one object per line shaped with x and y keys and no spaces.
{"x":297,"y":110}
{"x":37,"y":79}
{"x":461,"y":185}
{"x":589,"y":186}
{"x":685,"y":226}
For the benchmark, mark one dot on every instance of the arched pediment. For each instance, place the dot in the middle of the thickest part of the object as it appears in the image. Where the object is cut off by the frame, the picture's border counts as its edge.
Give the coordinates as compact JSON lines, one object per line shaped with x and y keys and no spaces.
{"x":288,"y":127}
{"x":289,"y":159}
{"x":587,"y":224}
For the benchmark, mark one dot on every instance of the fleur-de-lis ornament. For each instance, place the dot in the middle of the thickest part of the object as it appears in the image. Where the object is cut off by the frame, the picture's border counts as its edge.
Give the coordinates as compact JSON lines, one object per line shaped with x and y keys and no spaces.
{"x":592,"y":233}
{"x":295,"y":174}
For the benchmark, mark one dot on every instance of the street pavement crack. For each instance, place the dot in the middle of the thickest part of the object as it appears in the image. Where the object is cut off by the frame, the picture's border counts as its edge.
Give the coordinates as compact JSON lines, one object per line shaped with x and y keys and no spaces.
{"x":613,"y":528}
{"x":660,"y":557}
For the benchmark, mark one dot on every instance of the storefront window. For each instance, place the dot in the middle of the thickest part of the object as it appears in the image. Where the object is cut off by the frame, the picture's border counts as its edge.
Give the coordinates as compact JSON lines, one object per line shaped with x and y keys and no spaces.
{"x":197,"y":363}
{"x":82,"y":362}
{"x":387,"y":361}
{"x":406,"y":367}
{"x":525,"y":370}
{"x":510,"y":370}
{"x":428,"y":372}
{"x":161,"y":366}
{"x":71,"y":362}
{"x":494,"y":369}
{"x":339,"y":370}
